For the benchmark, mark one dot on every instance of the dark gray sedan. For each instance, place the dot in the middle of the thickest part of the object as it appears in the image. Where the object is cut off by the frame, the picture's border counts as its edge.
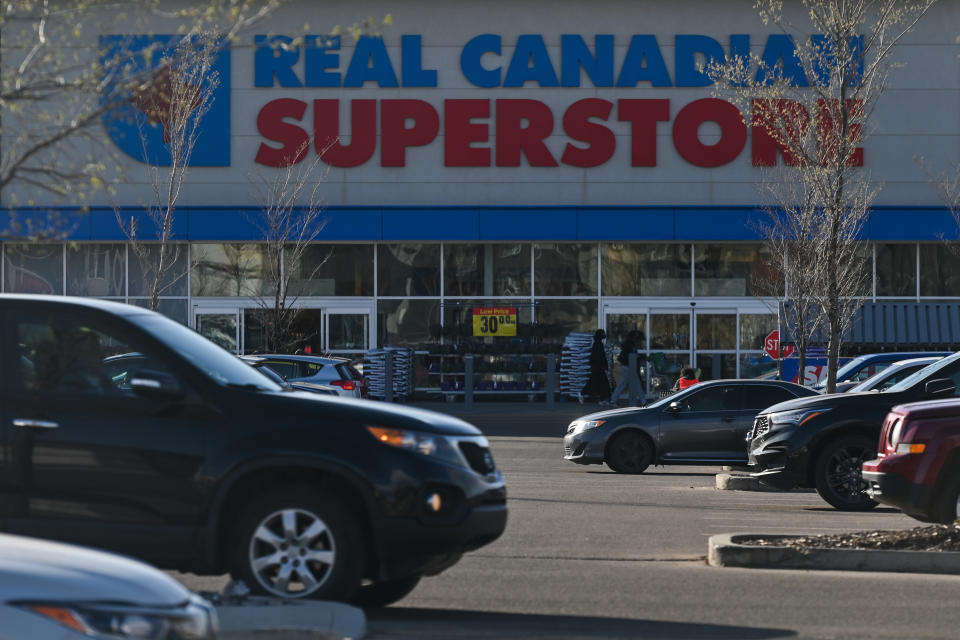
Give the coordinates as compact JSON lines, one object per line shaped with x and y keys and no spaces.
{"x":704,"y":424}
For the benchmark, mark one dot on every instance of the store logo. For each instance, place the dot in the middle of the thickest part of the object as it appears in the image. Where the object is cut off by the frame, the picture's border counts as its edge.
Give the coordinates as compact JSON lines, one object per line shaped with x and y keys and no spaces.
{"x":139,"y":122}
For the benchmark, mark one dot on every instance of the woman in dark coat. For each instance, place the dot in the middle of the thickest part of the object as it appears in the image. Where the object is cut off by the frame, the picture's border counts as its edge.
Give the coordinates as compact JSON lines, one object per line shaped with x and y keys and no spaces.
{"x":598,"y":384}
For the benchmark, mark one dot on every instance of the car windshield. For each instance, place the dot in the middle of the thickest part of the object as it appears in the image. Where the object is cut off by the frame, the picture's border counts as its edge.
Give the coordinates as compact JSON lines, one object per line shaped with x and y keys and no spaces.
{"x":927,"y":372}
{"x":850,"y":368}
{"x":215,"y":361}
{"x":673,"y":396}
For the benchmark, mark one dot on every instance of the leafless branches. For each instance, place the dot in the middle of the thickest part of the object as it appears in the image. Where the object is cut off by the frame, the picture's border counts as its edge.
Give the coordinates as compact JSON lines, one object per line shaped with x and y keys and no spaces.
{"x":181,"y":94}
{"x":813,"y":110}
{"x":290,"y":219}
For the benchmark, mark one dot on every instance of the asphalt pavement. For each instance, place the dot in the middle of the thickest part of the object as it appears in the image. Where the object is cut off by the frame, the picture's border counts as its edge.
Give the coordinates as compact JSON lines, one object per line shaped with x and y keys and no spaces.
{"x":591,"y":554}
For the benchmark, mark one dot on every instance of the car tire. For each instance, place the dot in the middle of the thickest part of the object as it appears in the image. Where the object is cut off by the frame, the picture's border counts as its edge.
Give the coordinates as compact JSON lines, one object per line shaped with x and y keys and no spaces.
{"x":298,"y":542}
{"x":838,"y":472}
{"x":947,"y":503}
{"x":384,"y":593}
{"x":629,"y":452}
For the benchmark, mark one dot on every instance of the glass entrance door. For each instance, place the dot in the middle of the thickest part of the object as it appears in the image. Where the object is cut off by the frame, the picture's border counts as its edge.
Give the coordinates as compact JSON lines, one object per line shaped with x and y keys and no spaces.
{"x":221,"y":326}
{"x":347,"y":330}
{"x":722,"y":341}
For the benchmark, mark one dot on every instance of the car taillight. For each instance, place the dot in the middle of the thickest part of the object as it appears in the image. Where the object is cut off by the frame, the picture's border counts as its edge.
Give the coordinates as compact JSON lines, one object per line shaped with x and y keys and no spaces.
{"x":346,"y":385}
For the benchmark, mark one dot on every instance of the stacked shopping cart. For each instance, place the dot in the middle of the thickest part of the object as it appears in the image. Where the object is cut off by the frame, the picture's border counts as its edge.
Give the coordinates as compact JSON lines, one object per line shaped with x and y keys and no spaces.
{"x":375,"y":370}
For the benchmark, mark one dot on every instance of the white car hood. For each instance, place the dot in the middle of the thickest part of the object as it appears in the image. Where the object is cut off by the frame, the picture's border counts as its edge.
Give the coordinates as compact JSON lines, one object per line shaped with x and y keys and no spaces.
{"x":37,"y":570}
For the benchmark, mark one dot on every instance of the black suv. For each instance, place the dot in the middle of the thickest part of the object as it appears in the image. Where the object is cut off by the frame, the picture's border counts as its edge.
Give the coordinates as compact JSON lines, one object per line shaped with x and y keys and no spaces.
{"x":124,"y":430}
{"x":822,"y":441}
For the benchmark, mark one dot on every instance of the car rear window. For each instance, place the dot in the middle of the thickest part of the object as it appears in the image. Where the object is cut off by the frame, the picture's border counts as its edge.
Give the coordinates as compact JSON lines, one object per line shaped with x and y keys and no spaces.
{"x":348,"y":372}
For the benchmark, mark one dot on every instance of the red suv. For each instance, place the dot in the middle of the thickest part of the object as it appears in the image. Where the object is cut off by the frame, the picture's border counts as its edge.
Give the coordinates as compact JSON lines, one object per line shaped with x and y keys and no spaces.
{"x":917,"y":468}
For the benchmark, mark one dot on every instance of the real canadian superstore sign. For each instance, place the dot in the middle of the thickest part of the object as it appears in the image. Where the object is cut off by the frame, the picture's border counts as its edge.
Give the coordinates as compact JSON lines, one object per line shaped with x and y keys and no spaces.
{"x":501,"y":131}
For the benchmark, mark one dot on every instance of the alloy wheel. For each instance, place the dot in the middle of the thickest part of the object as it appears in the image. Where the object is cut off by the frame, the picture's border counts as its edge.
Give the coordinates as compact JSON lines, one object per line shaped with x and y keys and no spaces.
{"x":844,"y":471}
{"x":292,"y":553}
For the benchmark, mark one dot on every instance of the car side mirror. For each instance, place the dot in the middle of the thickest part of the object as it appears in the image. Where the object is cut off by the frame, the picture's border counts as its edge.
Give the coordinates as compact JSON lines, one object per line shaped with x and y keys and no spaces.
{"x":156,"y":384}
{"x":674,"y":407}
{"x":940,"y":387}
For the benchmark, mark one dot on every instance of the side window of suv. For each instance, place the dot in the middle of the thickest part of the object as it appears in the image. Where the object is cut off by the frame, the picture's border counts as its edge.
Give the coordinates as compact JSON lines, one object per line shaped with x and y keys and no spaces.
{"x":68,"y":355}
{"x":285,"y":368}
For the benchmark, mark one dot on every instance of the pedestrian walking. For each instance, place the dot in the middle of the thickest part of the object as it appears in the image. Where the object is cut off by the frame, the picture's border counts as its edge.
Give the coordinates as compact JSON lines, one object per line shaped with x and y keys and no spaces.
{"x":628,"y":346}
{"x":598,"y":384}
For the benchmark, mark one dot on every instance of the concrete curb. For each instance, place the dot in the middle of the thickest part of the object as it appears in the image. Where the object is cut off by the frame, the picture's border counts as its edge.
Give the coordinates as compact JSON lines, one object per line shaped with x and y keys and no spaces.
{"x":729,"y":550}
{"x":736,"y":482}
{"x":264,"y":618}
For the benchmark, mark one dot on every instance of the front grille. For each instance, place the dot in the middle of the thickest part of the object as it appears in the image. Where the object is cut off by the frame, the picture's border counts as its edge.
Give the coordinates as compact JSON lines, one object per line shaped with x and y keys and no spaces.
{"x":479,"y":458}
{"x":761,"y":426}
{"x":567,"y":450}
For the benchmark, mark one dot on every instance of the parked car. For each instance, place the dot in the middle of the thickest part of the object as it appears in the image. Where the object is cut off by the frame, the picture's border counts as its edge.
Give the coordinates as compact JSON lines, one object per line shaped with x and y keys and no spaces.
{"x":53,"y":590}
{"x":917,"y":468}
{"x":261,"y":366}
{"x":198,"y":462}
{"x":823,"y":441}
{"x":887,"y":377}
{"x":332,"y":372}
{"x":863,"y":367}
{"x":704,"y":424}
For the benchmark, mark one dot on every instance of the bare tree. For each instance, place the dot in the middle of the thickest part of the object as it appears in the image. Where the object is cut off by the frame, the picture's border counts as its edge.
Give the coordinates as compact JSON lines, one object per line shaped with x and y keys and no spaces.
{"x":181,"y":94}
{"x":813,"y":108}
{"x":791,"y":276}
{"x":290,"y":219}
{"x":57,"y":84}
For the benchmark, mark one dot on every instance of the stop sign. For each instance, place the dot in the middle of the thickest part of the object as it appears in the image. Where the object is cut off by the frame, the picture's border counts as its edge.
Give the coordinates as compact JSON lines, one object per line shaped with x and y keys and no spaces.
{"x":772,"y":346}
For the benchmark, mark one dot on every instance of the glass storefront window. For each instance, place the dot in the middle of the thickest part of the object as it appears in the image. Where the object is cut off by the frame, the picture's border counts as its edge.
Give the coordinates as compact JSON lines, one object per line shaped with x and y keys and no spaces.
{"x":143,"y":263}
{"x":646,"y":270}
{"x":754,"y":365}
{"x":33,"y":268}
{"x":557,"y":318}
{"x":565,"y":269}
{"x":406,"y":322}
{"x":939,"y":271}
{"x":458,"y":319}
{"x":332,"y":270}
{"x":716,"y":366}
{"x":232,"y":269}
{"x":731,"y":270}
{"x":175,"y":308}
{"x":896,"y":270}
{"x":717,"y":331}
{"x":486,"y":269}
{"x":670,"y":331}
{"x":98,"y":270}
{"x":754,"y":328}
{"x":408,"y":270}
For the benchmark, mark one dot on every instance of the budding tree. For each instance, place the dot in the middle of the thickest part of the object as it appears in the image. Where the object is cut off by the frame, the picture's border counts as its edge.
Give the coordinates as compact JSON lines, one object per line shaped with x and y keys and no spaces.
{"x":58,"y":82}
{"x":177,"y":100}
{"x":813,"y":108}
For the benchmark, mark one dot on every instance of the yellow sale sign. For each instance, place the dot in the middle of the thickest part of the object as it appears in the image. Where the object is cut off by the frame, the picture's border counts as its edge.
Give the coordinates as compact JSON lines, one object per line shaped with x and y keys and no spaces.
{"x":494,"y":321}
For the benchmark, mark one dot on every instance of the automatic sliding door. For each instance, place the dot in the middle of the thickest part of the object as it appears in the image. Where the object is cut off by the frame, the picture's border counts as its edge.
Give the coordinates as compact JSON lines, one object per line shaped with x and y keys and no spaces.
{"x":220,"y":326}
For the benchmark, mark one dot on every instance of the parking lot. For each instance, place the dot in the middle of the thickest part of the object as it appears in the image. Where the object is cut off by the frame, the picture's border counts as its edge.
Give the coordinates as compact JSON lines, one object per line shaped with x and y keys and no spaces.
{"x":593,"y":554}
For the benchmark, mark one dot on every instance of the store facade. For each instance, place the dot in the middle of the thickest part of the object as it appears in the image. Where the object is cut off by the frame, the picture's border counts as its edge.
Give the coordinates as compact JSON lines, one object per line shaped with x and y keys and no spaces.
{"x":573,"y":168}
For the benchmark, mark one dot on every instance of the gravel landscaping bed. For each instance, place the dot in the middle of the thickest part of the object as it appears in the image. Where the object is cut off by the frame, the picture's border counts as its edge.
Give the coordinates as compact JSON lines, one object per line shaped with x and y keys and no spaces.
{"x":938,"y":537}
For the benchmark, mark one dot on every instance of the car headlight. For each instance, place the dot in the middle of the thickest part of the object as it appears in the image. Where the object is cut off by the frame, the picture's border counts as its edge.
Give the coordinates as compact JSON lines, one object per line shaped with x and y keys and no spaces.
{"x":591,"y":424}
{"x":578,"y":426}
{"x":427,"y":444}
{"x":195,"y":621}
{"x":797,"y":417}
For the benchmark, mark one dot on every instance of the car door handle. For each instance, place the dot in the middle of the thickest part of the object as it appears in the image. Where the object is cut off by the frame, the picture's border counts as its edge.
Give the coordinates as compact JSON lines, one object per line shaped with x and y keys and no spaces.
{"x":35,"y":424}
{"x":728,"y":419}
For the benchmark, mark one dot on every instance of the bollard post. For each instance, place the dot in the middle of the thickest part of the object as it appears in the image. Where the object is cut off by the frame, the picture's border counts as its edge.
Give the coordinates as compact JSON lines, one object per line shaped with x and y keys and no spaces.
{"x":551,"y":378}
{"x":468,"y":382}
{"x":633,"y":379}
{"x":387,"y":376}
